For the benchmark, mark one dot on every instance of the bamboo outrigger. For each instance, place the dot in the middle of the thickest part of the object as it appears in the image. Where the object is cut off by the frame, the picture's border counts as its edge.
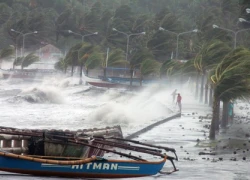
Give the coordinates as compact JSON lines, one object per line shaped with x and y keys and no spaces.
{"x":89,"y":167}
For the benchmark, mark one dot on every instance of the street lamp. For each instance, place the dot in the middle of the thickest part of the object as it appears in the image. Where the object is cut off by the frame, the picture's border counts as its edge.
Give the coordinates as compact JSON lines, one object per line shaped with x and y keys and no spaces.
{"x":177,"y":37}
{"x":243,"y":20}
{"x":248,"y":10}
{"x":128,"y":36}
{"x":35,"y":32}
{"x":95,"y":33}
{"x":234,"y":32}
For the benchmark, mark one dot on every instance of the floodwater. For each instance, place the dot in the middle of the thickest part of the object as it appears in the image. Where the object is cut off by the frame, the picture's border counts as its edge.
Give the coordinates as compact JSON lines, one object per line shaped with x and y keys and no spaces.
{"x":62,"y":104}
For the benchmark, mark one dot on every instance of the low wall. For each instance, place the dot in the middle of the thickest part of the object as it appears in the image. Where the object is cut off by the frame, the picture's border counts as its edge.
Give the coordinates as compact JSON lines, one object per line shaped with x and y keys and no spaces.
{"x":137,"y":133}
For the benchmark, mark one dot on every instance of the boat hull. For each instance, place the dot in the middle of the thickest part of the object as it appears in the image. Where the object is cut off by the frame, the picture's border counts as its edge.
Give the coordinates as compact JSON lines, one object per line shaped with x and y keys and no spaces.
{"x":92,"y":167}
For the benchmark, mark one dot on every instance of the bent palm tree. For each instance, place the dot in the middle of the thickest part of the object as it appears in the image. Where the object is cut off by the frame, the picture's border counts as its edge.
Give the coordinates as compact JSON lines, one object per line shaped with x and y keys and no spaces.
{"x":230,"y":80}
{"x":6,"y":52}
{"x":29,"y":59}
{"x":148,"y":67}
{"x":115,"y":58}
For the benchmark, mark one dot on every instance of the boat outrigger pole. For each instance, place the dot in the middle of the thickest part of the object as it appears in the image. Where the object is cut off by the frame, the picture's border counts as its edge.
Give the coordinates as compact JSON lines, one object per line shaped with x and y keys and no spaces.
{"x":141,"y":143}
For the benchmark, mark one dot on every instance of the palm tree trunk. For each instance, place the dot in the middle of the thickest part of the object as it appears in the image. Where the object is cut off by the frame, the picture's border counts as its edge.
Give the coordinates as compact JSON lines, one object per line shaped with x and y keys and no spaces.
{"x":202,"y":87}
{"x":131,"y":76}
{"x":214,"y":117}
{"x":210,"y":95}
{"x":141,"y":80}
{"x":81,"y":68}
{"x":104,"y":73}
{"x":87,"y":71}
{"x":197,"y":86}
{"x":72,"y":70}
{"x":224,"y":121}
{"x":217,"y":122}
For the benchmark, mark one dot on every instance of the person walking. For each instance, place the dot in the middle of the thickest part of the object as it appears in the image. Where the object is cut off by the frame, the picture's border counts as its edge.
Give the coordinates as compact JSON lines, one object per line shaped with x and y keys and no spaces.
{"x":178,"y":102}
{"x":174,"y":94}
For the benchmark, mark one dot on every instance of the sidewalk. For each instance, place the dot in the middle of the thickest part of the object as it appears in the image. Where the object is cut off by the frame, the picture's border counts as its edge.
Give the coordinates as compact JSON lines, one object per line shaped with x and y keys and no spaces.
{"x":188,"y":134}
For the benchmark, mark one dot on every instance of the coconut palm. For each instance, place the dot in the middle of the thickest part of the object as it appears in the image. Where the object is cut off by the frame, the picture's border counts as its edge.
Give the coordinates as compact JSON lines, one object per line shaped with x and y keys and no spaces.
{"x":72,"y":56}
{"x":29,"y":59}
{"x":115,"y":58}
{"x":137,"y":58}
{"x":93,"y":61}
{"x":83,"y":54}
{"x":230,"y":80}
{"x":209,"y":55}
{"x":62,"y":65}
{"x":6,"y":53}
{"x":149,"y":66}
{"x":172,"y":69}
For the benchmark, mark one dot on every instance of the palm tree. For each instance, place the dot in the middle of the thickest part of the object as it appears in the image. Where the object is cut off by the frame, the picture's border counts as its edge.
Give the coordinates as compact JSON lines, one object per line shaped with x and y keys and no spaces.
{"x":6,"y":52}
{"x":93,"y":60}
{"x":137,"y":58}
{"x":209,"y":55}
{"x":83,"y":54}
{"x":72,"y":56}
{"x":230,"y":80}
{"x":29,"y":59}
{"x":148,"y":67}
{"x":115,"y":58}
{"x":62,"y":65}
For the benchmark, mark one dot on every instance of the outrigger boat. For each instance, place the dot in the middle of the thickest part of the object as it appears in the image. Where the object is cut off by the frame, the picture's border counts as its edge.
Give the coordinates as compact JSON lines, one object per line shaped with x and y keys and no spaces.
{"x":94,"y":166}
{"x":36,"y":142}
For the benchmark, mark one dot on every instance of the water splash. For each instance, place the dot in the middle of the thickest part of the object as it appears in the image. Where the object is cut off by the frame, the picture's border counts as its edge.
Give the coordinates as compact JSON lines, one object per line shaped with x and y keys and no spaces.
{"x":42,"y":94}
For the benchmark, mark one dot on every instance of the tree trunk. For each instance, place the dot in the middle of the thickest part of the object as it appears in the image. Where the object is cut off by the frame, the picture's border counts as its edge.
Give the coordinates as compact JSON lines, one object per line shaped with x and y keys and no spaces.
{"x":87,"y":71}
{"x":141,"y":80}
{"x":202,"y":87}
{"x":210,"y":95}
{"x":217,"y":122}
{"x":72,"y":70}
{"x":214,"y":117}
{"x":197,"y":86}
{"x":224,"y":120}
{"x":104,"y":73}
{"x":131,"y":76}
{"x":81,"y":68}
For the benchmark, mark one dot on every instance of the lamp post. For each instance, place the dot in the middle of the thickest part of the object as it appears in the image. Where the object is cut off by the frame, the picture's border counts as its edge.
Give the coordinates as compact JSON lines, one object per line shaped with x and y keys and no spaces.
{"x":234,"y":32}
{"x":128,"y":36}
{"x":95,"y":33}
{"x":35,"y":32}
{"x":177,"y":38}
{"x":69,"y":31}
{"x":243,"y":20}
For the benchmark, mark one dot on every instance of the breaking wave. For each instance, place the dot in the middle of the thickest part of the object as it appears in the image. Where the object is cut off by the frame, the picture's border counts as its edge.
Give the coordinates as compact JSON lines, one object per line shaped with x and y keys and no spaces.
{"x":39,"y":95}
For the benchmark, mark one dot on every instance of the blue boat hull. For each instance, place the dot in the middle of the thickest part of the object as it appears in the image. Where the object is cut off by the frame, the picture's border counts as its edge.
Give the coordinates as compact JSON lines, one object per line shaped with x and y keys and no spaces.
{"x":90,"y":168}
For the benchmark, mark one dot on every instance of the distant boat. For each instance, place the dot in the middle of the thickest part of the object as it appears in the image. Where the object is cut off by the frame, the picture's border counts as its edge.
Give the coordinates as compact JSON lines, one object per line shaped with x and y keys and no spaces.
{"x":107,"y":83}
{"x":27,"y":74}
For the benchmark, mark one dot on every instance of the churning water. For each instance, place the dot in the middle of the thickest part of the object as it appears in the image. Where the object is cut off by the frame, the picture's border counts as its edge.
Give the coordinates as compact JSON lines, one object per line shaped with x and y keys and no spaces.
{"x":63,"y":104}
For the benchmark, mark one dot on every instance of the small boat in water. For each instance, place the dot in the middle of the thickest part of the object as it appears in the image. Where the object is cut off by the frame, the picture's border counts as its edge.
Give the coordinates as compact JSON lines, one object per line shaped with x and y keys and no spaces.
{"x":28,"y":74}
{"x":122,"y":164}
{"x":109,"y":83}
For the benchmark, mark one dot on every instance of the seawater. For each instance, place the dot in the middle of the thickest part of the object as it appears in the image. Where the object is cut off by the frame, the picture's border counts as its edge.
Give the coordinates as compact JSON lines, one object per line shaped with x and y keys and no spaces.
{"x":63,"y":104}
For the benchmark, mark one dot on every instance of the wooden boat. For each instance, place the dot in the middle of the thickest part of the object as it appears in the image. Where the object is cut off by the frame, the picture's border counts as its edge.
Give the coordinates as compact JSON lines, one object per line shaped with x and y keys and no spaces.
{"x":109,"y":83}
{"x":94,"y":166}
{"x":37,"y":142}
{"x":27,"y":74}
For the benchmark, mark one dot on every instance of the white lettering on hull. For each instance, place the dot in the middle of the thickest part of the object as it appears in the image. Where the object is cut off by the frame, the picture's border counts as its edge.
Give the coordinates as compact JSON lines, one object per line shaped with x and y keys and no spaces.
{"x":105,"y":166}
